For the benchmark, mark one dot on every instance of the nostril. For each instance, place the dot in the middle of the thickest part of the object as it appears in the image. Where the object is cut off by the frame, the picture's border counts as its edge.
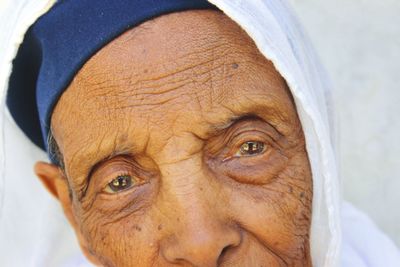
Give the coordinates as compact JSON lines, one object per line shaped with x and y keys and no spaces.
{"x":225,"y":249}
{"x":223,"y":253}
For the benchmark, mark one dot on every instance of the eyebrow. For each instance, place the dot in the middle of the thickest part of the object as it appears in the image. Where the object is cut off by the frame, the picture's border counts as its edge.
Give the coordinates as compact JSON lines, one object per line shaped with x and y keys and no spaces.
{"x":218,"y":128}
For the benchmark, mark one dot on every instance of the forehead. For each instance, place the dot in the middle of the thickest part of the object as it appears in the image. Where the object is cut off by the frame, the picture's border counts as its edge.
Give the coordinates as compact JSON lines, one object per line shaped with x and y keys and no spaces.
{"x":178,"y":73}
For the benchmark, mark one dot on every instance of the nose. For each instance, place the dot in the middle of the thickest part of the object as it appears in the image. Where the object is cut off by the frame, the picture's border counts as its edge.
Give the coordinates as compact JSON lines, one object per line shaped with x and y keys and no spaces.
{"x":202,"y":243}
{"x":200,"y":232}
{"x":198,"y":227}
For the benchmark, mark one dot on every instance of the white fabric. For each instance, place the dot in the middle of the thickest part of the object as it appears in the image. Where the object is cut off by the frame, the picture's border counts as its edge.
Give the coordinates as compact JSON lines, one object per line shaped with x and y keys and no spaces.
{"x":364,"y":245}
{"x":33,"y":231}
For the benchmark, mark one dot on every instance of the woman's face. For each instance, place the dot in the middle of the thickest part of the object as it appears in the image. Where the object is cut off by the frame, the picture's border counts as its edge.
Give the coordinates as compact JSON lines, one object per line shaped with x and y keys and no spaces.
{"x":182,"y":146}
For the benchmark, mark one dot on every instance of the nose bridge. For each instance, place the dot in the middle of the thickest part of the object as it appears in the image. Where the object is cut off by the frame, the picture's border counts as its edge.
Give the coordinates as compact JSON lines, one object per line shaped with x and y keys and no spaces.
{"x":184,"y":178}
{"x":198,"y":229}
{"x":188,"y":188}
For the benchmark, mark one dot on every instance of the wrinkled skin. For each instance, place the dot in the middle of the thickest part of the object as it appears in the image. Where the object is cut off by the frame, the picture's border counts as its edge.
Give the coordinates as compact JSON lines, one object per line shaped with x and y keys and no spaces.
{"x":170,"y":104}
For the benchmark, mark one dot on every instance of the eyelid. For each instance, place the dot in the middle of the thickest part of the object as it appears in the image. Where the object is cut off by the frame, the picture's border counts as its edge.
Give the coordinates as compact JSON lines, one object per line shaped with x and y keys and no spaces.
{"x":109,"y":170}
{"x":253,"y":135}
{"x":116,"y":175}
{"x":97,"y":167}
{"x":253,"y":126}
{"x":235,"y":148}
{"x":228,"y":140}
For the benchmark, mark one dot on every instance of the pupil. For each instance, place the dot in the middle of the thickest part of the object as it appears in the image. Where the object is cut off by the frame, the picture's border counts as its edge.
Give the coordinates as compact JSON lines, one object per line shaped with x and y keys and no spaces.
{"x":252,"y":146}
{"x":120,"y":183}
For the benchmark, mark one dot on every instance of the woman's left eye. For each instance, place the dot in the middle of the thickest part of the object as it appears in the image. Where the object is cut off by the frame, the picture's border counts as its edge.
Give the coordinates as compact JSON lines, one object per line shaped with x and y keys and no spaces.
{"x":251,"y":148}
{"x":120,"y":183}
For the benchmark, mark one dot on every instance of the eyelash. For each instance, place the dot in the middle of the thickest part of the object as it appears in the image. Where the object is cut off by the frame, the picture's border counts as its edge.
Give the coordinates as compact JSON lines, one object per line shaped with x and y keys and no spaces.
{"x":123,"y":173}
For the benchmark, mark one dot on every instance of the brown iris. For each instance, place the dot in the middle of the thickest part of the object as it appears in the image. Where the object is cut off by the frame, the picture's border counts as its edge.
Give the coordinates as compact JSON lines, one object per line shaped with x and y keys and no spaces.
{"x":251,"y":148}
{"x":120,"y":183}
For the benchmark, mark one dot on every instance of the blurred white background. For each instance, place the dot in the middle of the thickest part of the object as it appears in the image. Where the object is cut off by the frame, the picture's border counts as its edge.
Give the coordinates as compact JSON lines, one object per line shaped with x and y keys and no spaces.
{"x":359,"y":43}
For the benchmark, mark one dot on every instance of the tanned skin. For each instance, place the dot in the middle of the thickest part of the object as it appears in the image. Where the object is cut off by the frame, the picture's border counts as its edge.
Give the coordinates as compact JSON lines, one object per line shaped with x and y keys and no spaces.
{"x":181,"y":146}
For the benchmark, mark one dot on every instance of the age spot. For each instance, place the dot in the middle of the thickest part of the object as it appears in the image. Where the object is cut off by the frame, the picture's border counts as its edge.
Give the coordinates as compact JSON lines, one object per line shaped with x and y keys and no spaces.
{"x":122,"y":138}
{"x":235,"y":65}
{"x":137,"y":227}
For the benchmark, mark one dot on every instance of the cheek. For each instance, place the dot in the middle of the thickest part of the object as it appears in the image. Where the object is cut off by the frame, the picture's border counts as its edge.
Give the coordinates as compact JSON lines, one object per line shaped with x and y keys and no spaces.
{"x":122,"y":243}
{"x":278,"y":214}
{"x":120,"y":232}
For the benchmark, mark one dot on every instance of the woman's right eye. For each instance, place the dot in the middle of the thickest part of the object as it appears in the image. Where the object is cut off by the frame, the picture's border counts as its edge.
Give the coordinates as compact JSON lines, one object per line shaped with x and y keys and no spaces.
{"x":120,"y":183}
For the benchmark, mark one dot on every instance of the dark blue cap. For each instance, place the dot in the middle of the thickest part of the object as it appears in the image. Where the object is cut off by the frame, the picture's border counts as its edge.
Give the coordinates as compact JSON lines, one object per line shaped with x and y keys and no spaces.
{"x":61,"y":41}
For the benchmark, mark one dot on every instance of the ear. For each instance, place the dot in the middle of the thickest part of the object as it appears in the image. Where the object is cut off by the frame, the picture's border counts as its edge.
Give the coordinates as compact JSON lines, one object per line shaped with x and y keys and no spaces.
{"x":56,"y":183}
{"x":51,"y":177}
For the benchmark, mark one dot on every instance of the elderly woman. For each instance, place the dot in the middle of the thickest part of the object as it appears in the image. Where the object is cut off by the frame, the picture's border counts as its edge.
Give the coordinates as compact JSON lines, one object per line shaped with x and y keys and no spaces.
{"x":183,"y":133}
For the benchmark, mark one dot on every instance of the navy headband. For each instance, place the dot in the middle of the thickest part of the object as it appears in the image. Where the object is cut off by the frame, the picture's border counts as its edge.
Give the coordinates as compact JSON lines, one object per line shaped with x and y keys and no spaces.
{"x":61,"y":41}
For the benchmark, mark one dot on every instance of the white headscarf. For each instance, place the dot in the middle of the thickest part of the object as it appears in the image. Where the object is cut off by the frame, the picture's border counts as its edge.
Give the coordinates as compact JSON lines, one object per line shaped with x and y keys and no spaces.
{"x":32,"y":229}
